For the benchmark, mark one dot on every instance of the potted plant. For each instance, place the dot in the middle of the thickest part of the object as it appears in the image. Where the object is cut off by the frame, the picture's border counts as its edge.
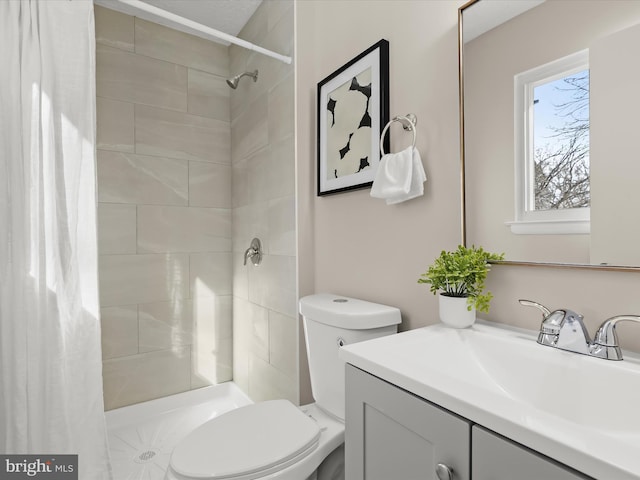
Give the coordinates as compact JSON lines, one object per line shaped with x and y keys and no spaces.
{"x":459,"y":276}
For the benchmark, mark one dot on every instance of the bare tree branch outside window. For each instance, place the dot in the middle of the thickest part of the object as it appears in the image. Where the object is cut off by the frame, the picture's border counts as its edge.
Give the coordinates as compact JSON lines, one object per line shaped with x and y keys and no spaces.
{"x":562,"y":160}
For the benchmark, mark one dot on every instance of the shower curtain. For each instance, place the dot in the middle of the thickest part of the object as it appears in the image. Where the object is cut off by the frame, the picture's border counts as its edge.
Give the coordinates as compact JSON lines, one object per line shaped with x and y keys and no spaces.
{"x":50,"y":359}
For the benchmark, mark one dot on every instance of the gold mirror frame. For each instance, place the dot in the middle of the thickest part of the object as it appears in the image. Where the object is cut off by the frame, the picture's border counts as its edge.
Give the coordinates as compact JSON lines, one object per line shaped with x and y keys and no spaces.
{"x":463,"y":213}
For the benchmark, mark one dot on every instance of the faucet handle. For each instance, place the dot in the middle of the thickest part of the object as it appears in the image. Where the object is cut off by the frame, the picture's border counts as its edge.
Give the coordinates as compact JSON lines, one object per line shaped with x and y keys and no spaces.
{"x":551,"y":323}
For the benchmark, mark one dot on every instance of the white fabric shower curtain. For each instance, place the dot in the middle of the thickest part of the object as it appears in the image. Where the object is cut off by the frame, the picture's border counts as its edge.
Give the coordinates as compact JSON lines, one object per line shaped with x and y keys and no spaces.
{"x":50,"y":359}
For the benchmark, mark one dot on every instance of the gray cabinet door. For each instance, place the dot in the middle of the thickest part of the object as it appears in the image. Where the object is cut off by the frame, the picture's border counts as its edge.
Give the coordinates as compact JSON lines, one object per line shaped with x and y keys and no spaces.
{"x":393,"y":435}
{"x":497,"y":458}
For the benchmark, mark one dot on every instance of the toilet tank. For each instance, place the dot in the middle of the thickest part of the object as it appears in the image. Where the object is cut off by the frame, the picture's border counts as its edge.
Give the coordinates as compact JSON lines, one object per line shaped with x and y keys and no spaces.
{"x":331,"y":321}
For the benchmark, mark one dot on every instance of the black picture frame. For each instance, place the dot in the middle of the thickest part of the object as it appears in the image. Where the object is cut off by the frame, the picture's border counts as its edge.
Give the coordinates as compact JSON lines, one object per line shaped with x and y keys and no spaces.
{"x":352,"y":111}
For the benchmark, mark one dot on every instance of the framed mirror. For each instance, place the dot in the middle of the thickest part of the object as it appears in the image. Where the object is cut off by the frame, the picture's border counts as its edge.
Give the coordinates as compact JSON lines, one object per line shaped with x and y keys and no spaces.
{"x":549,"y":118}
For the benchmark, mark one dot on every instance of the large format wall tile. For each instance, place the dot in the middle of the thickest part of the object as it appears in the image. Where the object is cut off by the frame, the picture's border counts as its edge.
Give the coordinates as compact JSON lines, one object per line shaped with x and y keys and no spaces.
{"x":274,"y":284}
{"x":135,"y":78}
{"x":210,"y":274}
{"x":283,"y":338}
{"x":282,"y":229}
{"x":240,"y":276}
{"x":212,"y":350}
{"x":263,"y":163}
{"x":113,"y":28}
{"x":240,"y":175}
{"x":281,"y":110}
{"x":164,"y":325}
{"x":281,"y":37}
{"x":119,"y":331}
{"x":183,"y":229}
{"x":131,"y":279}
{"x":181,"y":135}
{"x":212,"y":317}
{"x":166,"y":109}
{"x":243,"y":60}
{"x":210,"y":367}
{"x":209,"y":185}
{"x":259,"y":175}
{"x":270,"y":172}
{"x":164,"y":182}
{"x":130,"y":178}
{"x":208,"y":95}
{"x":282,"y":169}
{"x":250,"y":132}
{"x":267,"y":382}
{"x":114,"y":125}
{"x":220,"y":325}
{"x":116,"y":228}
{"x":270,"y":74}
{"x":146,"y":376}
{"x":248,"y":222}
{"x":259,"y":319}
{"x":241,"y":342}
{"x":164,"y":43}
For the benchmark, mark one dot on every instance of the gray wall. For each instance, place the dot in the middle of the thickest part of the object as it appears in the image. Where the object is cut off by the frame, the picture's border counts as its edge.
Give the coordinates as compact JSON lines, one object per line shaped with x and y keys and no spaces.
{"x":355,"y":245}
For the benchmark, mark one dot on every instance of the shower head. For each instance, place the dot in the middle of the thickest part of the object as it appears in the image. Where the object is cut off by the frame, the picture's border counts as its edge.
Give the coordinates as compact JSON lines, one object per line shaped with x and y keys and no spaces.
{"x":233,"y":82}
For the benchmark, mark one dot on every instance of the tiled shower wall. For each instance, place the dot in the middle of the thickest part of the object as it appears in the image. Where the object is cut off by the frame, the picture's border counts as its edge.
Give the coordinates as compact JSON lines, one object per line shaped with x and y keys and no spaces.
{"x":164,"y":192}
{"x":265,"y":316}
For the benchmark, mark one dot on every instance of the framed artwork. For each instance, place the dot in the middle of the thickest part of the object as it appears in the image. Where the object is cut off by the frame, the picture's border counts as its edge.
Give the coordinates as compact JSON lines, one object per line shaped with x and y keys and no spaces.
{"x":353,"y":108}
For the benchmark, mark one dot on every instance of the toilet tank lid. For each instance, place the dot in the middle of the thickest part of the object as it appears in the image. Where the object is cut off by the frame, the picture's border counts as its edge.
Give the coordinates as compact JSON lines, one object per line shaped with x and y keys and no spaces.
{"x":345,"y":312}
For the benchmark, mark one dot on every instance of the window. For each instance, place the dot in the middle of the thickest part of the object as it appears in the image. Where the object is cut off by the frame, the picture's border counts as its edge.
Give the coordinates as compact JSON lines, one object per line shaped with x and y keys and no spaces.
{"x":552,"y":148}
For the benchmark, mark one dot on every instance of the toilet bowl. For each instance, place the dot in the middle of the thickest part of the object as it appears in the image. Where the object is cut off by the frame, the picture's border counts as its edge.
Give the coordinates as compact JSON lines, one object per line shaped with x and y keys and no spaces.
{"x":275,"y":439}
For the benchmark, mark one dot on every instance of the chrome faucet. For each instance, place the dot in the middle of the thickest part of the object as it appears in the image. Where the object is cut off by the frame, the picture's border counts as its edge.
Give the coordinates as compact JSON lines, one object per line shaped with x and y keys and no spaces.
{"x":565,"y":329}
{"x":605,"y":342}
{"x":254,"y":252}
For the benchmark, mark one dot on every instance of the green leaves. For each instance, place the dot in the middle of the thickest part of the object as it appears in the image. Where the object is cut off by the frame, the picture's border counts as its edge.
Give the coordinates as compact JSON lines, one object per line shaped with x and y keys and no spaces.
{"x":462,"y":273}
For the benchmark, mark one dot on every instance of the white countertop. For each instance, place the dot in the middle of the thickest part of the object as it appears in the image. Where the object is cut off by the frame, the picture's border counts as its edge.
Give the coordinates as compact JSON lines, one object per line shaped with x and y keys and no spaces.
{"x":579,"y":410}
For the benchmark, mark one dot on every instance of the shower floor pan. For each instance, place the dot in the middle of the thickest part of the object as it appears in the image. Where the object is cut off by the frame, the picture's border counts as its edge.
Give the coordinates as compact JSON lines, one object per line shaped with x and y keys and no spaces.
{"x":142,"y":436}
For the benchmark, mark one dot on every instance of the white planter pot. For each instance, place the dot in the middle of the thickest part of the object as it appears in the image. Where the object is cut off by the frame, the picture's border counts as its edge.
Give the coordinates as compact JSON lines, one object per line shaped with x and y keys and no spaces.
{"x":453,"y":312}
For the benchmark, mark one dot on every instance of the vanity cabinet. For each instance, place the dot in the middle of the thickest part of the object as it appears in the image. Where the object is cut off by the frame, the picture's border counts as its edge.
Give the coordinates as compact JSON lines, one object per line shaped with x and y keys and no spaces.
{"x":494,"y":457}
{"x":394,"y":434}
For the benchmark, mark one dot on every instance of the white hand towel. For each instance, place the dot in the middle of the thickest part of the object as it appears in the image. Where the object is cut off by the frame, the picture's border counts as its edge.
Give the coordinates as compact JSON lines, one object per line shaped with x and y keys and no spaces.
{"x":400,"y":177}
{"x":418,"y":178}
{"x":394,"y":175}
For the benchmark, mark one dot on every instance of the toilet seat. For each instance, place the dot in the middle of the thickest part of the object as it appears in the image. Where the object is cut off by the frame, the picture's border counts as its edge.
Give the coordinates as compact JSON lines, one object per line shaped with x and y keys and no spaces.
{"x":247,"y":443}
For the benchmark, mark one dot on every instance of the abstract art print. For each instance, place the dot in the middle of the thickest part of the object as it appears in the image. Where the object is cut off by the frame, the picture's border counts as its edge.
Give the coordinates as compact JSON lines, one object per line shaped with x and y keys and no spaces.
{"x":353,"y":107}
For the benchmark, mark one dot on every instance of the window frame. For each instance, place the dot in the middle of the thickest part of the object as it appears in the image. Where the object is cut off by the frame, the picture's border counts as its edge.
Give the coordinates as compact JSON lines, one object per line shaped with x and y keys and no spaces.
{"x":529,"y":221}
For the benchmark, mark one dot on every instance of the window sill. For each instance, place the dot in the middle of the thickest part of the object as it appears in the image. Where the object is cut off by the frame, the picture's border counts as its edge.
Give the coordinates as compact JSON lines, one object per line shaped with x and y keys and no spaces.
{"x":550,"y":227}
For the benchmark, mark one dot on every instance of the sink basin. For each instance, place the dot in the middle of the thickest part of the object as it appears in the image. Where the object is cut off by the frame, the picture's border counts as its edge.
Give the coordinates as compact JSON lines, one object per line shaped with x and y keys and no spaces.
{"x":580,"y":410}
{"x":601,"y":394}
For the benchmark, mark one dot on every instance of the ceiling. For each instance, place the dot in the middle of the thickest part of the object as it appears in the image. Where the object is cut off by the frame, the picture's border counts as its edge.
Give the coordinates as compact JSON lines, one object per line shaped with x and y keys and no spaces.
{"x":228,"y":16}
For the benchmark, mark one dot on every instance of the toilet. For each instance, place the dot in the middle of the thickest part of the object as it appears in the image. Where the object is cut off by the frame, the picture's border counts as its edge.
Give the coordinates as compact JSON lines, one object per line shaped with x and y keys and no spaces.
{"x":275,"y":439}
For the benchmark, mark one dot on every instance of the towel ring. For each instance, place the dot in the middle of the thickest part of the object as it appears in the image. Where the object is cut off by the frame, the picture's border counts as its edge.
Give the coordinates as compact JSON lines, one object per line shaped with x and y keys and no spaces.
{"x":408,"y":122}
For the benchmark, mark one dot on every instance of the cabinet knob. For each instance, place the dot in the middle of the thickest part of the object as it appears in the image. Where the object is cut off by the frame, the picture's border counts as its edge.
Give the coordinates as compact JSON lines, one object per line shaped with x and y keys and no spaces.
{"x":444,"y":472}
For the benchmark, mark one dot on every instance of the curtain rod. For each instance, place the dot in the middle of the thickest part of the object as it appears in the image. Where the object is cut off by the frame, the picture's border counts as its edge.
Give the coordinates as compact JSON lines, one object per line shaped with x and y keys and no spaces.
{"x":204,"y":29}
